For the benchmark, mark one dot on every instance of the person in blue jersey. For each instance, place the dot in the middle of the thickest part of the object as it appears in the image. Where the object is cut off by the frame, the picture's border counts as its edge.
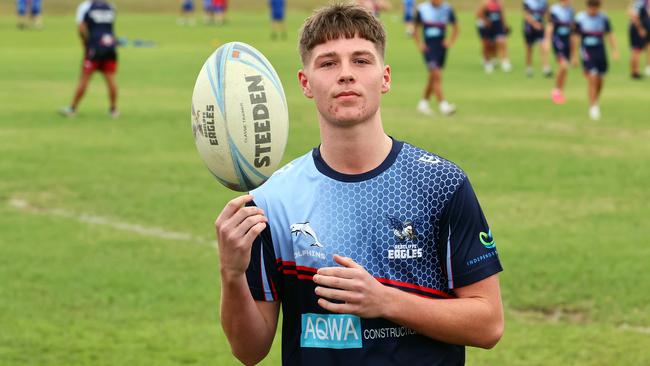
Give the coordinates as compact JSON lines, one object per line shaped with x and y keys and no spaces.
{"x":558,"y":35}
{"x":493,"y":30}
{"x":408,"y":11}
{"x":535,"y":13}
{"x":95,"y":20}
{"x":377,"y":251}
{"x":639,"y":36}
{"x":278,"y":27}
{"x":187,"y":13}
{"x":592,"y":26}
{"x":431,"y":20}
{"x":29,"y":13}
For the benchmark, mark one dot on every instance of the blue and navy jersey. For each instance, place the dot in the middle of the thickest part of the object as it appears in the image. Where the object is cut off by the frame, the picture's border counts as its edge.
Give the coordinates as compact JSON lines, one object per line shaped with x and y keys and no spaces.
{"x":493,"y":12}
{"x":562,"y":20}
{"x":413,"y":223}
{"x":592,"y":29}
{"x":536,"y":8}
{"x":434,"y":20}
{"x":99,"y":18}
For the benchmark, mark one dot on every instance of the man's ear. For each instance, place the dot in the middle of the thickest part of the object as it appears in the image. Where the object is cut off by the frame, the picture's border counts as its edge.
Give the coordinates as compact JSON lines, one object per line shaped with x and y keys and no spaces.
{"x":304,"y":83}
{"x":385,"y":85}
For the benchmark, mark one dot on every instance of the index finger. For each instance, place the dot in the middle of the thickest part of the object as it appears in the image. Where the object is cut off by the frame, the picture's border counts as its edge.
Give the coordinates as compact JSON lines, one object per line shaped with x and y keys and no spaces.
{"x":234,"y":205}
{"x":341,"y":272}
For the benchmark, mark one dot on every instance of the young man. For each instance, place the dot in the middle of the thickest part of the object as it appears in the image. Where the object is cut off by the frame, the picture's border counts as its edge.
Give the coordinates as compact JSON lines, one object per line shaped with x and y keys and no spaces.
{"x":431,"y":20}
{"x":558,"y":33}
{"x":278,"y":27}
{"x":493,"y":32}
{"x":95,"y":20}
{"x":639,"y":36}
{"x":535,"y":11}
{"x":31,"y":7}
{"x":377,"y":251}
{"x":592,"y":26}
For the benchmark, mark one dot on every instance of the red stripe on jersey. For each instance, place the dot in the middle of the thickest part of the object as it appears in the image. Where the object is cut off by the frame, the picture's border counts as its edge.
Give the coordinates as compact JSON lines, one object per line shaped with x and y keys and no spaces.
{"x":287,"y":268}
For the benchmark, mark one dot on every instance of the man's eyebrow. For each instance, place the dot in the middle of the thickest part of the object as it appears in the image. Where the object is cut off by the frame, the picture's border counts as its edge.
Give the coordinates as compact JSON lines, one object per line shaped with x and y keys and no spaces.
{"x":355,"y":54}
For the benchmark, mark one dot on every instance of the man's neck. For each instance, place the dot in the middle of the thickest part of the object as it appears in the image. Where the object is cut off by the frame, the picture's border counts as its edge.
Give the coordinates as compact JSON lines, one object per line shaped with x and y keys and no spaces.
{"x":356,"y":149}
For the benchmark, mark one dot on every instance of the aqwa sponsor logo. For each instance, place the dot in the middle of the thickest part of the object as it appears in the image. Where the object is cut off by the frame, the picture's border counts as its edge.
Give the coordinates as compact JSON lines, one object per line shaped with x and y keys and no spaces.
{"x":330,"y":331}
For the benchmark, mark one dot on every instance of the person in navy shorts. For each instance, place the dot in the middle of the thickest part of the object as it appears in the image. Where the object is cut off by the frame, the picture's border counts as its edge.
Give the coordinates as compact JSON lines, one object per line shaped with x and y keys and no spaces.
{"x":95,"y":20}
{"x":639,"y":36}
{"x":431,"y":20}
{"x":592,"y":26}
{"x":535,"y":14}
{"x":559,"y":36}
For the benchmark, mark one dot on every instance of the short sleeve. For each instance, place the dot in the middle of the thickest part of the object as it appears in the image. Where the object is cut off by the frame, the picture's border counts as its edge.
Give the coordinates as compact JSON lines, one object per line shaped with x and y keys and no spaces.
{"x":418,"y":17}
{"x":262,"y":273}
{"x":452,"y":16}
{"x":608,"y":26}
{"x":466,"y":241}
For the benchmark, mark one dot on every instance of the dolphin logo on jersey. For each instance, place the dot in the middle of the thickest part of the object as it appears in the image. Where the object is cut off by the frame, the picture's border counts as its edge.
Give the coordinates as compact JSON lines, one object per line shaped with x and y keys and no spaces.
{"x":407,"y":230}
{"x":306,"y":229}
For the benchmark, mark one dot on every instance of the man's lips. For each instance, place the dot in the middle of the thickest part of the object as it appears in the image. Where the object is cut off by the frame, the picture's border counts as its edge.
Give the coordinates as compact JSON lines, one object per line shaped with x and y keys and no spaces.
{"x":346,"y":94}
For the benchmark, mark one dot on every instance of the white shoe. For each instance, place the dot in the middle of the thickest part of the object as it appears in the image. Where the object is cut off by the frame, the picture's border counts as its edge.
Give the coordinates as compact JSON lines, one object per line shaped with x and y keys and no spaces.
{"x":447,"y":108}
{"x":488,"y":67}
{"x":67,"y":112}
{"x":594,"y":112}
{"x":506,"y":66}
{"x":647,"y":70}
{"x":423,"y":107}
{"x":114,"y":113}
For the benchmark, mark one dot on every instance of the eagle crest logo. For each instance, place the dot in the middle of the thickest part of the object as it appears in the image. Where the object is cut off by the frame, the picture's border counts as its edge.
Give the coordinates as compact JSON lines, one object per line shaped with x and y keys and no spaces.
{"x":407,"y":230}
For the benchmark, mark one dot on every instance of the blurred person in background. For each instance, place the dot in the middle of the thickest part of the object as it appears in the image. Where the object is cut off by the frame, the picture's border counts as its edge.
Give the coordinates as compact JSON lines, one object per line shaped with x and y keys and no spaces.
{"x":535,"y":14}
{"x":639,"y":37}
{"x":29,"y":13}
{"x":95,"y":21}
{"x":558,"y":36}
{"x":278,"y":27}
{"x":592,"y":26}
{"x":493,"y":31}
{"x":187,"y":13}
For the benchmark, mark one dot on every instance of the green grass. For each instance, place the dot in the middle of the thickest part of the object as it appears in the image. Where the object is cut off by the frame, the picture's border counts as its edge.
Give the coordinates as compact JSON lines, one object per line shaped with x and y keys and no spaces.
{"x":567,"y":198}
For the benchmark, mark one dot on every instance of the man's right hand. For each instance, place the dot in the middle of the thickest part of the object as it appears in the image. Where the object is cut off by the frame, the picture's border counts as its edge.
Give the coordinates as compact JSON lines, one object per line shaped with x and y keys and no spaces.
{"x":237,"y":227}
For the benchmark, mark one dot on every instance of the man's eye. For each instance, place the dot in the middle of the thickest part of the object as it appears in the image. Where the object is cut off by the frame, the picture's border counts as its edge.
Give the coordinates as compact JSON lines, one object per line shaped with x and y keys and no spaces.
{"x":327,"y":64}
{"x":361,"y":61}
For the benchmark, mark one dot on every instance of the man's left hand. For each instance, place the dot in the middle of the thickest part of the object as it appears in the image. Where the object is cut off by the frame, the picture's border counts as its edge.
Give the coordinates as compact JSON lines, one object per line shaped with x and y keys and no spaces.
{"x":352,"y":287}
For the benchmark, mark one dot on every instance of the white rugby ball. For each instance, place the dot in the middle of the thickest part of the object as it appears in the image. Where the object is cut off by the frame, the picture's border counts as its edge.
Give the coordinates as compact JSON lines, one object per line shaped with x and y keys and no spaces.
{"x":240,"y":119}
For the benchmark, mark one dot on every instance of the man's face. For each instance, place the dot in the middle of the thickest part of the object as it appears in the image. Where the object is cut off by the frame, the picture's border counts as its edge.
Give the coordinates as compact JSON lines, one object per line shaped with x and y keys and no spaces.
{"x":346,"y":78}
{"x":436,"y":2}
{"x":592,"y":10}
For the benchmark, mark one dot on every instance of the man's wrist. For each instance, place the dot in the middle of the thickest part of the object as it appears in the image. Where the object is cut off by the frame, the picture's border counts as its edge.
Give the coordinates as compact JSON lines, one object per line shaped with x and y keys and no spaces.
{"x":232,"y":277}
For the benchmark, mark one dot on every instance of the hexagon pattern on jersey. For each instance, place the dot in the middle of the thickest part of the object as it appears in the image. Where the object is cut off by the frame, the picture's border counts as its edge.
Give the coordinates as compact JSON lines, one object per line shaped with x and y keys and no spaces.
{"x":354,"y":218}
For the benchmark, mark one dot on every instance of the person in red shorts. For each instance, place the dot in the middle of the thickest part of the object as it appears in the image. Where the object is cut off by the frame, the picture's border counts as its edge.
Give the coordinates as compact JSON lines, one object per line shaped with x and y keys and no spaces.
{"x":95,"y":19}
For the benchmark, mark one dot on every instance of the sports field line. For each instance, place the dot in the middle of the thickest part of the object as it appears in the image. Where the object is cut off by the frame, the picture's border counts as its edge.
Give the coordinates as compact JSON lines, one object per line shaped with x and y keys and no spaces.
{"x":149,"y":231}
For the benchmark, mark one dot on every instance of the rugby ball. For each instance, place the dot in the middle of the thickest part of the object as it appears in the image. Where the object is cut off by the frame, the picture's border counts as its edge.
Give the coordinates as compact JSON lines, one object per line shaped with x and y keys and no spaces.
{"x":240,"y":119}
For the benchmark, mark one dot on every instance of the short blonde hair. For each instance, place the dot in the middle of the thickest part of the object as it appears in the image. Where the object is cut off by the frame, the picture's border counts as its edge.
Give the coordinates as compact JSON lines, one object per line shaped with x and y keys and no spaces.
{"x":340,"y":20}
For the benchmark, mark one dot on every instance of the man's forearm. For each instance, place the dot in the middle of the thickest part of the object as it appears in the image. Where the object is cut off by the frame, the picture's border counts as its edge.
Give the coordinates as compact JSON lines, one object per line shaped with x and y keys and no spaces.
{"x":249,"y":333}
{"x":466,"y":321}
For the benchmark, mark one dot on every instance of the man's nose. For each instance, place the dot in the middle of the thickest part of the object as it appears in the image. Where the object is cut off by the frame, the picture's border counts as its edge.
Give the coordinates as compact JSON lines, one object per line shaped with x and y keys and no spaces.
{"x":346,"y":75}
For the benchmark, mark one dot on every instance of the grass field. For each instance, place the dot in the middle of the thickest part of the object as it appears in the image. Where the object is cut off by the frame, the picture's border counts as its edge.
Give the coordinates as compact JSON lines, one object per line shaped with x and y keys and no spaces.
{"x":106,"y":243}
